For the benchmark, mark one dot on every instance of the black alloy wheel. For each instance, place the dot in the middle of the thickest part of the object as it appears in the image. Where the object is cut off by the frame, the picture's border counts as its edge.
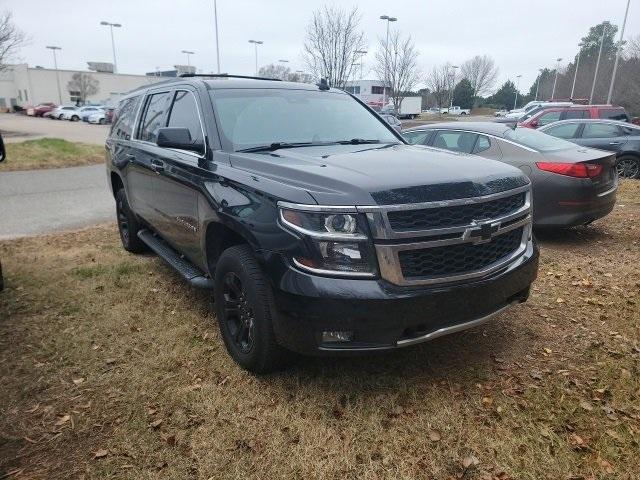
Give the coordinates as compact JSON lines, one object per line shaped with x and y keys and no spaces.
{"x":128,"y":225}
{"x":628,"y":166}
{"x":239,"y":316}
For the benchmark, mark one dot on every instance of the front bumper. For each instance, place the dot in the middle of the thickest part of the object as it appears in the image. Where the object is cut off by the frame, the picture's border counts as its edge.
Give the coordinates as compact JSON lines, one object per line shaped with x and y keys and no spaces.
{"x":383,"y":316}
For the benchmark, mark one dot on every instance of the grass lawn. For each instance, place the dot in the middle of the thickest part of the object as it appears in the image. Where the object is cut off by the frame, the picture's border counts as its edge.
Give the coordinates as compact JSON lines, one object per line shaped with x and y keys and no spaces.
{"x":50,"y":153}
{"x":112,"y":367}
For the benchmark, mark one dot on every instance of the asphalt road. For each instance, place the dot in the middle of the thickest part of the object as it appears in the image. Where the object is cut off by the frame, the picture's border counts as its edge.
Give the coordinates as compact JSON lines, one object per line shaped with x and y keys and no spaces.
{"x":16,"y":128}
{"x":42,"y":201}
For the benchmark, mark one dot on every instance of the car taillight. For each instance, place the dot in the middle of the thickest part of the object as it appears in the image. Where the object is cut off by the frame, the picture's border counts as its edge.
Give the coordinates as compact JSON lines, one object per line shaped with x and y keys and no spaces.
{"x":579,"y":170}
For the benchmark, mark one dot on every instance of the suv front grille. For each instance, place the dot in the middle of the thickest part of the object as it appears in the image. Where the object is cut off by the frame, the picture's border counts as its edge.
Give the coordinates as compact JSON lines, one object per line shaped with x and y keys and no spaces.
{"x":445,"y":217}
{"x":458,"y":259}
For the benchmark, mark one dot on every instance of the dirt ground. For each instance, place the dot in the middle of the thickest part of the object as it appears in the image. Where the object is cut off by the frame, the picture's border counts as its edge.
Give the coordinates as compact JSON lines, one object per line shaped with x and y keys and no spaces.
{"x":112,"y":367}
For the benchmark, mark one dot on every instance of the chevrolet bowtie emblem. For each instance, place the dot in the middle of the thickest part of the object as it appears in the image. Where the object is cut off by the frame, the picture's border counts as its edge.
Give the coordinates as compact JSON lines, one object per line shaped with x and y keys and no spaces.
{"x":482,"y":233}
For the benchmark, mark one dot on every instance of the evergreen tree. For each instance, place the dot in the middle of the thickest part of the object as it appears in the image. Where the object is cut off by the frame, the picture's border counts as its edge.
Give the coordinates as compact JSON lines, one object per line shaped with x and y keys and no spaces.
{"x":463,"y":94}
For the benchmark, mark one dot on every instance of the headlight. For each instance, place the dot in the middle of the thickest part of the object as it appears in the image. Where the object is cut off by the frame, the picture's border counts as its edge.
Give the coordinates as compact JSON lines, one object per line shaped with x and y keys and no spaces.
{"x":336,"y":241}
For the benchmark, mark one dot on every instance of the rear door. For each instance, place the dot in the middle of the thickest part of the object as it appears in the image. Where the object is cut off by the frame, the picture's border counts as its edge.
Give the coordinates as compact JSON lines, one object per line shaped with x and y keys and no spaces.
{"x":613,"y":114}
{"x":575,"y":113}
{"x":176,"y":185}
{"x":606,"y":136}
{"x":548,"y":117}
{"x":455,"y":140}
{"x":146,"y":156}
{"x":418,"y":137}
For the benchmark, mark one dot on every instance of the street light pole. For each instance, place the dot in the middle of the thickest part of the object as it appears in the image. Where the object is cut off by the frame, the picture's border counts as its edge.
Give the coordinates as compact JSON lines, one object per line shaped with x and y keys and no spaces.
{"x":215,"y":15}
{"x":386,"y":59}
{"x":595,"y":75}
{"x":538,"y":82}
{"x":515,"y":102}
{"x":256,"y":43}
{"x":113,"y":44}
{"x":555,"y":80}
{"x":452,"y":85}
{"x":615,"y":64}
{"x":55,"y":65}
{"x":362,"y":53}
{"x":188,"y":54}
{"x":575,"y":74}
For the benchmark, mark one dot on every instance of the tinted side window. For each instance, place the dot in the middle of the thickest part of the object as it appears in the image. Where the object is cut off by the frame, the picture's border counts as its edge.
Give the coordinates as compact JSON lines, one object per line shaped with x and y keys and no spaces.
{"x":123,"y":118}
{"x":548,"y":117}
{"x":416,"y":138}
{"x":600,"y":130}
{"x":184,"y":114}
{"x":456,"y":141}
{"x":614,"y":114}
{"x":566,"y":130}
{"x":154,"y":116}
{"x":570,"y":114}
{"x":482,"y":144}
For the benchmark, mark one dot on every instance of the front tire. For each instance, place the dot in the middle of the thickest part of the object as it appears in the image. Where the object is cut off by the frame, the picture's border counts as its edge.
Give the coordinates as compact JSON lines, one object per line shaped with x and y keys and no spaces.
{"x":628,"y":166}
{"x":101,"y":121}
{"x":128,"y":225}
{"x":245,"y":311}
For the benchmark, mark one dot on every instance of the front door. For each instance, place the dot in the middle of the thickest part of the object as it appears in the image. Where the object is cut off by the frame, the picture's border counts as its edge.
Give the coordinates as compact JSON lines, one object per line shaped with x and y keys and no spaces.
{"x":605,"y":136}
{"x":176,"y":186}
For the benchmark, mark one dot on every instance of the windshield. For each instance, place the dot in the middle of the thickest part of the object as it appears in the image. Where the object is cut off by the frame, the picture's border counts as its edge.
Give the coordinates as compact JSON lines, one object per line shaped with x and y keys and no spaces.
{"x":255,"y":117}
{"x":537,"y":140}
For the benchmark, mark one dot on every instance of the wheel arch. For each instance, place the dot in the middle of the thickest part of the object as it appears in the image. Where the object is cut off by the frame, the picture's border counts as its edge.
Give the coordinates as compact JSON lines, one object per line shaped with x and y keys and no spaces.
{"x":116,"y":183}
{"x":217,"y":238}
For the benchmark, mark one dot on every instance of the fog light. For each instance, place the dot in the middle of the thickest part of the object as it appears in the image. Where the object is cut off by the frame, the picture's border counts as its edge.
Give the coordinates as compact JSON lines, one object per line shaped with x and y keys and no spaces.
{"x":337,"y":336}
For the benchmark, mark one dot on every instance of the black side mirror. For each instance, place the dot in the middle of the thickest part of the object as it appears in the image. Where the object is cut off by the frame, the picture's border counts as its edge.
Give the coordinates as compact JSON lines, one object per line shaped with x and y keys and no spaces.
{"x":175,"y":137}
{"x":2,"y":151}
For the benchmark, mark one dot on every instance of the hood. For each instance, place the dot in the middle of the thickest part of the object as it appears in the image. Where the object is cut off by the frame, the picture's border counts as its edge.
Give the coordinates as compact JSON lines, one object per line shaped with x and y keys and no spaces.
{"x":381,"y":175}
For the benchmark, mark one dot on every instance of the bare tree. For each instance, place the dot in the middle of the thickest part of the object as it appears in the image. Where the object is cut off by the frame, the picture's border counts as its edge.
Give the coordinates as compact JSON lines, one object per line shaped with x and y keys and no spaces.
{"x":438,"y":80}
{"x":275,"y":71}
{"x":481,"y":72}
{"x":84,"y":85}
{"x":333,"y":40}
{"x":11,"y":38}
{"x":402,"y":73}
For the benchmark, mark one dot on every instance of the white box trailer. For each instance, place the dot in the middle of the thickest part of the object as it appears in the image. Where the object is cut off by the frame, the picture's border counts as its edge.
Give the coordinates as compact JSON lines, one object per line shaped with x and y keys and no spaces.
{"x":410,"y":107}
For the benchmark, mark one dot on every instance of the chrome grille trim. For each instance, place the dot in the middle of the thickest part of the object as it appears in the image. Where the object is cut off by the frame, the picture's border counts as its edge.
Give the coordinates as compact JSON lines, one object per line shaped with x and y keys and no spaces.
{"x":388,"y":258}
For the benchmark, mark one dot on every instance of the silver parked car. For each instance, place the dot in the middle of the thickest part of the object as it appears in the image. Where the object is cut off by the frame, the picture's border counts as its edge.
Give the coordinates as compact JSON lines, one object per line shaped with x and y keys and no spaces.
{"x":572,"y":185}
{"x":392,"y":120}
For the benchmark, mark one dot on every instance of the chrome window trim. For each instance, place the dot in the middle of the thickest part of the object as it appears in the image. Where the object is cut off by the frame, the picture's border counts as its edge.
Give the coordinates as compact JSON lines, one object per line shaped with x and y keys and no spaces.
{"x":476,"y":132}
{"x":318,"y":208}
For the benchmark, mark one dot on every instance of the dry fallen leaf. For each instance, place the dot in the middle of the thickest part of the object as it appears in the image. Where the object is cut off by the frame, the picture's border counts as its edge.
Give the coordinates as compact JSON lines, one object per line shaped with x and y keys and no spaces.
{"x":101,"y":453}
{"x":470,"y":461}
{"x":156,"y":424}
{"x":585,"y":405}
{"x":63,"y":419}
{"x":78,"y":381}
{"x":434,"y":435}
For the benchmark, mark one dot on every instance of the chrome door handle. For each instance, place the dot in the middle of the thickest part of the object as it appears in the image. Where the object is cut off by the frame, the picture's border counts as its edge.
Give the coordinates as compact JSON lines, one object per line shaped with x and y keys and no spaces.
{"x":614,"y":143}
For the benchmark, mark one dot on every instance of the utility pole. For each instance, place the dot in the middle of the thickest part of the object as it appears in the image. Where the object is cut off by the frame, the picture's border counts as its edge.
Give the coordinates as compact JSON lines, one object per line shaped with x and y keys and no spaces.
{"x":113,"y":45}
{"x":452,"y":85}
{"x":618,"y":50}
{"x":386,"y":59}
{"x":595,"y":75}
{"x":215,"y":15}
{"x":55,"y":65}
{"x":553,"y":92}
{"x":538,"y":82}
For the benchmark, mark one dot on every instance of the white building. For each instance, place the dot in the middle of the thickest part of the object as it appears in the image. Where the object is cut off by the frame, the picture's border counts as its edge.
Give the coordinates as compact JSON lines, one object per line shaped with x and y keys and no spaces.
{"x":22,"y":85}
{"x":371,"y":92}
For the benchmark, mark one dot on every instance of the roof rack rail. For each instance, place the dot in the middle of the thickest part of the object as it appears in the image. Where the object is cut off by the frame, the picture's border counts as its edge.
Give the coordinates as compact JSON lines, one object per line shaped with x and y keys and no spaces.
{"x":225,"y":75}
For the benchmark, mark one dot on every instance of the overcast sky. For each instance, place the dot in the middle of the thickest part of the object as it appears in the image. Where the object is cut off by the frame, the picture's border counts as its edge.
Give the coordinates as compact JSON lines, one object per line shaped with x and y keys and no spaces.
{"x":521,"y":36}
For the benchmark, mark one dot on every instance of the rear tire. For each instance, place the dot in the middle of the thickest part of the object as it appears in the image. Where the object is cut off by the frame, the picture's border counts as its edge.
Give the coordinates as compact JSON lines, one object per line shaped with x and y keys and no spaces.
{"x":128,"y":225}
{"x":245,"y":311}
{"x":628,"y":166}
{"x":101,"y":121}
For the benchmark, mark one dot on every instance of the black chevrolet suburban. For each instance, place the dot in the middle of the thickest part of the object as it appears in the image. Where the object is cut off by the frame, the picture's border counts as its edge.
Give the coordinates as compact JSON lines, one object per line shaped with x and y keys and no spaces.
{"x":317,"y":227}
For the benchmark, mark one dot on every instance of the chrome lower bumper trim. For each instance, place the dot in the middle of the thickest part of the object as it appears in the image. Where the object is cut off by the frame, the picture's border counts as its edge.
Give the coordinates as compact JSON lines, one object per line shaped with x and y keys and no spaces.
{"x":452,"y":329}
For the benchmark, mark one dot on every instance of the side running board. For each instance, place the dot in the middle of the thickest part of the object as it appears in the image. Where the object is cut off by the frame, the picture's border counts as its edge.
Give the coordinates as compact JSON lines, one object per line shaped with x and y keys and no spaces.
{"x":188,"y":270}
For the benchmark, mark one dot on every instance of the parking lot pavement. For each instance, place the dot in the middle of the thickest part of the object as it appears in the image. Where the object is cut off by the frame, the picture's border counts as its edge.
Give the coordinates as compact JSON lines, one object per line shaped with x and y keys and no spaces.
{"x":15,"y":128}
{"x":41,"y":201}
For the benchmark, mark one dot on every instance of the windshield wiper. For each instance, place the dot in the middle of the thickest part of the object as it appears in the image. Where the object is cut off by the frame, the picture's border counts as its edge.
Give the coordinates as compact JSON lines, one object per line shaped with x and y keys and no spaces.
{"x":357,"y":141}
{"x":276,"y":146}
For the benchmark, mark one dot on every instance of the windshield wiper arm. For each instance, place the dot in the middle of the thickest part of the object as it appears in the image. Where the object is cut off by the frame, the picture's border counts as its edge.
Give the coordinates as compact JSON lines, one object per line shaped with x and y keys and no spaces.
{"x":275,"y":146}
{"x":357,"y":141}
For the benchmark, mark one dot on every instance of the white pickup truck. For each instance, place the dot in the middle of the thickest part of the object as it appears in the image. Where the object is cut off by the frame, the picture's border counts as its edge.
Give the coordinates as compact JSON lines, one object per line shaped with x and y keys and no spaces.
{"x":458,"y":111}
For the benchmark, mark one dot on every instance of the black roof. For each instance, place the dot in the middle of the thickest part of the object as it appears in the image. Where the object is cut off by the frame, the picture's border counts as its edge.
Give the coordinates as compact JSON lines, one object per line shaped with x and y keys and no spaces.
{"x":490,"y":128}
{"x":218,"y":82}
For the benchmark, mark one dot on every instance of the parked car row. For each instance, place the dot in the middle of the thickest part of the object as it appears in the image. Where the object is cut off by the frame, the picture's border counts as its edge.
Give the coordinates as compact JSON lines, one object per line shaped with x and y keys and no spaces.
{"x":98,"y":114}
